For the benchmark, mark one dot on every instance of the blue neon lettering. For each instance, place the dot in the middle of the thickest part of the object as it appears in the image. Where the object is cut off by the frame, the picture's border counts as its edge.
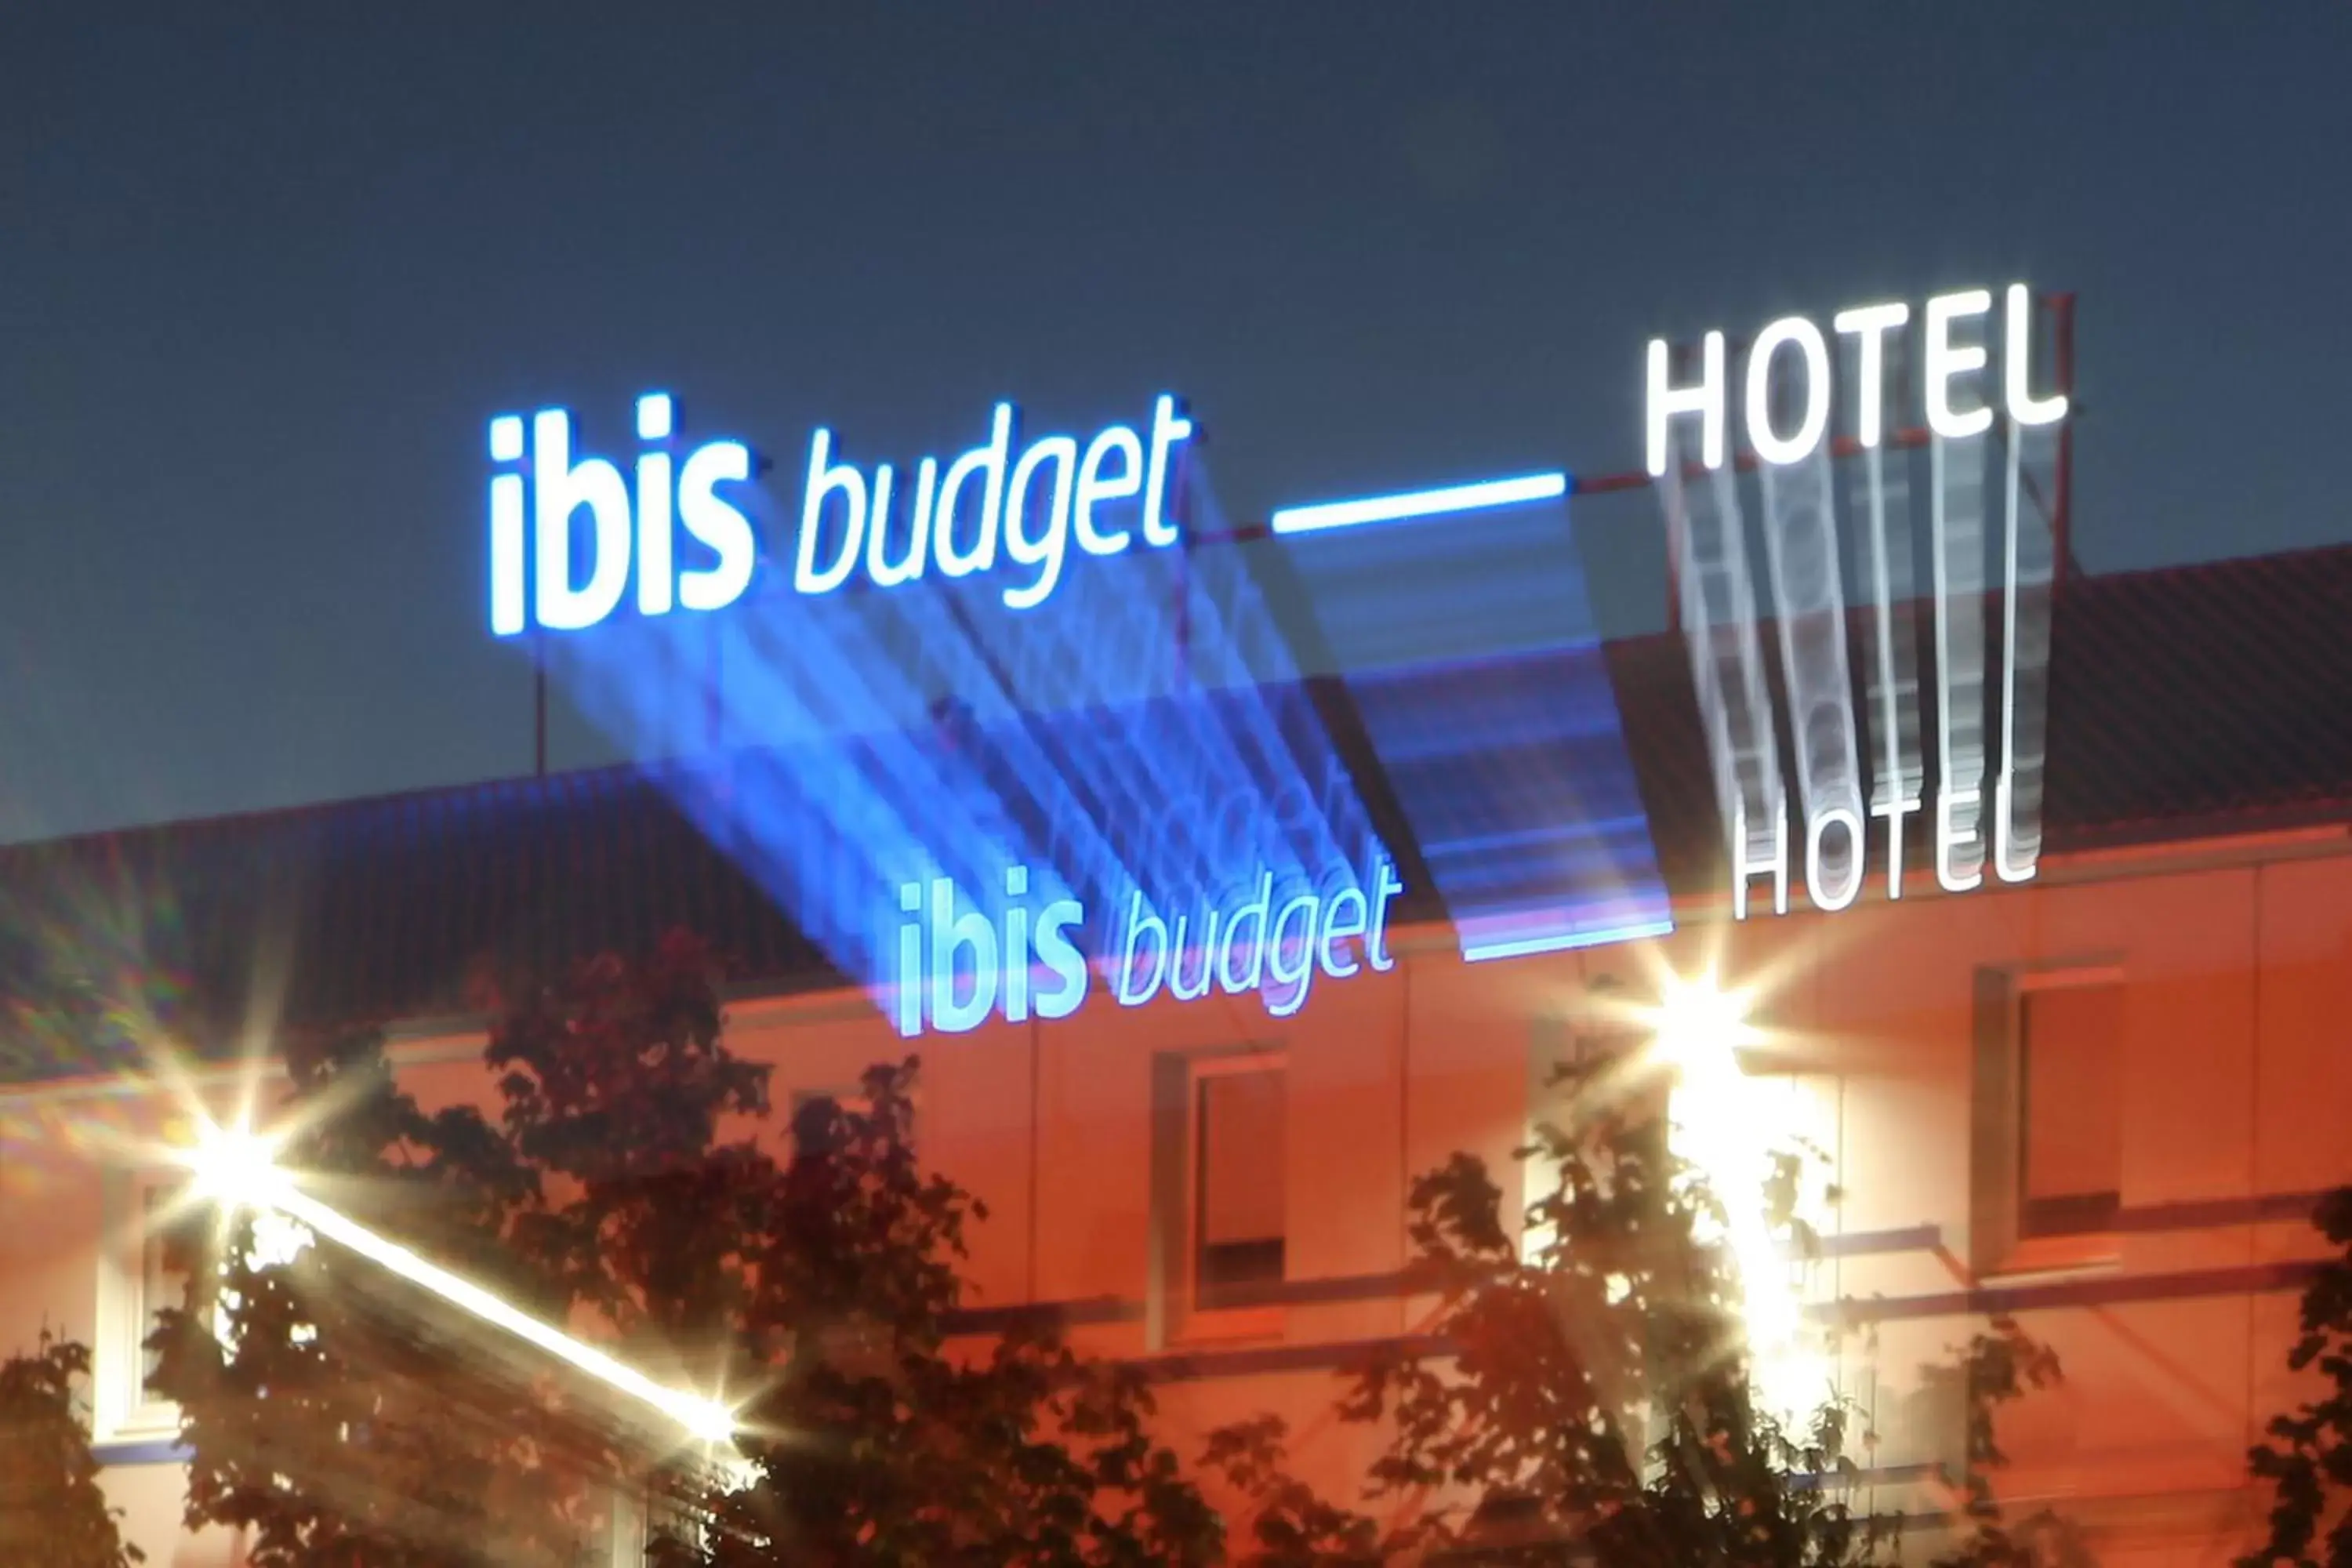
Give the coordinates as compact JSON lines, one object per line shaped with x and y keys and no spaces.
{"x":1385,"y":886}
{"x":1033,"y":501}
{"x":1169,"y":426}
{"x":883,"y":572}
{"x":1412,"y":504}
{"x":987,"y":463}
{"x":561,"y":488}
{"x":953,"y":935}
{"x":910,"y":962}
{"x":535,"y":573}
{"x":826,"y":478}
{"x":1059,"y":957}
{"x":655,"y":529}
{"x":956,"y":965}
{"x":1204,"y":944}
{"x":1042,"y":551}
{"x":508,"y":548}
{"x":1095,"y":487}
{"x":1026,"y":503}
{"x":1140,"y":925}
{"x":1288,"y":993}
{"x":1254,"y":913}
{"x":1337,"y":964}
{"x":718,"y":525}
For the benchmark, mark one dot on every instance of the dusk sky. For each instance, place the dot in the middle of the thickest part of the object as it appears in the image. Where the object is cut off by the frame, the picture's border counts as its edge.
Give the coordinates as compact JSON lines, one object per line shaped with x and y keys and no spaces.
{"x":262,"y":287}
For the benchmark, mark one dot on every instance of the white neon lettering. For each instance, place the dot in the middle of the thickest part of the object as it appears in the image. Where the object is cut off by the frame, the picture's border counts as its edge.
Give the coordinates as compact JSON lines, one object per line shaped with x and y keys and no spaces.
{"x":1706,"y":400}
{"x":2017,"y":364}
{"x":1947,"y":360}
{"x":1807,"y":339}
{"x":1947,"y":877}
{"x":1816,"y":828}
{"x":824,"y":478}
{"x":985,"y":463}
{"x":562,"y":486}
{"x":1742,"y":868}
{"x":1868,"y":326}
{"x":1045,"y":549}
{"x":2004,"y":835}
{"x":717,"y":524}
{"x":1894,"y":811}
{"x":2004,"y":831}
{"x":1168,"y":428}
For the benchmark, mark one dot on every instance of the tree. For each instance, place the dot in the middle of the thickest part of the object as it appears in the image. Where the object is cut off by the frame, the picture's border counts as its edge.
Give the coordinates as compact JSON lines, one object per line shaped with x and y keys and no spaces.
{"x":348,"y":1422}
{"x":2306,"y":1453}
{"x":1599,"y":1397}
{"x":52,"y":1513}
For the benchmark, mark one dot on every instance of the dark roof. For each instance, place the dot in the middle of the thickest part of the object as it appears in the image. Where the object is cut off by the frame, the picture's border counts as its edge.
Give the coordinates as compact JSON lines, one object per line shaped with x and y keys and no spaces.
{"x":2182,"y":702}
{"x":407,"y":907}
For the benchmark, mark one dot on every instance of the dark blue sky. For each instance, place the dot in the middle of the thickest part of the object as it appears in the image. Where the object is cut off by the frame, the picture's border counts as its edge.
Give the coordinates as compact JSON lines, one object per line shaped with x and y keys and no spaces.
{"x":261,"y":287}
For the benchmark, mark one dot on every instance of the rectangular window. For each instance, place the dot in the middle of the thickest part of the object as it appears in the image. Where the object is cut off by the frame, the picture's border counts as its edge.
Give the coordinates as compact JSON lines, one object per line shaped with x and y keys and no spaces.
{"x":2070,"y":1109}
{"x":2045,"y":1178}
{"x":150,"y":1234}
{"x":163,"y":1267}
{"x":1237,"y":1188}
{"x":1219,"y":1197}
{"x":154,"y":1238}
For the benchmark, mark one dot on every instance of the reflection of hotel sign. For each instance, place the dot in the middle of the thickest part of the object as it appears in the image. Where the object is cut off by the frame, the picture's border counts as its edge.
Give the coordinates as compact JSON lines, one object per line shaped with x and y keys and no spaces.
{"x":1787,"y":394}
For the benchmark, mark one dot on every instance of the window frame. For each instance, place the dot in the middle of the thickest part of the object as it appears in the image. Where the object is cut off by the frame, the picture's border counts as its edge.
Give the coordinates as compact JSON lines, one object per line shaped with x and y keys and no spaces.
{"x":2000,"y":1240}
{"x":122,"y":1410}
{"x":1172,"y":1313}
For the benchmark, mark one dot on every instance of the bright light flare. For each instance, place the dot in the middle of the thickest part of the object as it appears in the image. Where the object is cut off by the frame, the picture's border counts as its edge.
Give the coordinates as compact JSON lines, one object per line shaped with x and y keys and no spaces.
{"x":1725,"y":1123}
{"x":237,"y":1168}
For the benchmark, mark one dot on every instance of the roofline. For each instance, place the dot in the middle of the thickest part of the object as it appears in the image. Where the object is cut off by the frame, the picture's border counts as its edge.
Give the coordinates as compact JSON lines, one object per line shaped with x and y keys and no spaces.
{"x":611,"y":771}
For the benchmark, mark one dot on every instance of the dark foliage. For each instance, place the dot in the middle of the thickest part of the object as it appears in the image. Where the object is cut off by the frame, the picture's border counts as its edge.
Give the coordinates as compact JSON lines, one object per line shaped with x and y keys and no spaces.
{"x":2306,"y":1456}
{"x":1598,"y":1405}
{"x":52,"y":1514}
{"x":625,"y":1183}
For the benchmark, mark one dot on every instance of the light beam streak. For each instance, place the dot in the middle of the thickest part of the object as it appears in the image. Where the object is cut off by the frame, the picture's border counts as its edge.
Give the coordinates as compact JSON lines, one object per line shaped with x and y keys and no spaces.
{"x":236,"y":1168}
{"x":1408,"y":504}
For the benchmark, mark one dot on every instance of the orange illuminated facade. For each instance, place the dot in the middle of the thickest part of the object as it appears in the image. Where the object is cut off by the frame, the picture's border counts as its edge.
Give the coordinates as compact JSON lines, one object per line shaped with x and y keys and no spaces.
{"x":2103,"y":1100}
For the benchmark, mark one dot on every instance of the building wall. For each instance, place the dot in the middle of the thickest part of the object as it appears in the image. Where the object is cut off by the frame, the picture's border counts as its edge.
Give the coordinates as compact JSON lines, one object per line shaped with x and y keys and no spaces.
{"x":2235,"y":963}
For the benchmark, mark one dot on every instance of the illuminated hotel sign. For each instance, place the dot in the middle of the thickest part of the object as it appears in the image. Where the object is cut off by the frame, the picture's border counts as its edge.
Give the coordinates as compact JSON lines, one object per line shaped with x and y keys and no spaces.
{"x":1786,"y":397}
{"x":957,"y":965}
{"x":1027,"y":506}
{"x":995,"y":816}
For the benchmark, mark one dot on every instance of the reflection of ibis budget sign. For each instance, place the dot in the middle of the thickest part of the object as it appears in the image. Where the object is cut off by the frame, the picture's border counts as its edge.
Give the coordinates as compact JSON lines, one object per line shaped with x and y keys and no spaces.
{"x":959,"y":960}
{"x":1786,"y":395}
{"x":1031,"y":502}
